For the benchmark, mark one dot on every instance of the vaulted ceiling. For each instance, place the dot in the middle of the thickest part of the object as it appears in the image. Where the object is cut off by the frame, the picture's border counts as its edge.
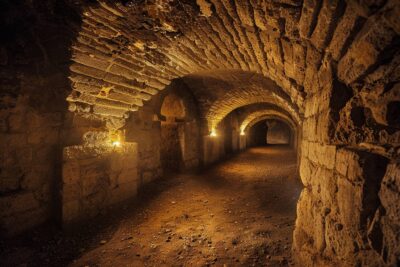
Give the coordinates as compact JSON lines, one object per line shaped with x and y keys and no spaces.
{"x":240,"y":52}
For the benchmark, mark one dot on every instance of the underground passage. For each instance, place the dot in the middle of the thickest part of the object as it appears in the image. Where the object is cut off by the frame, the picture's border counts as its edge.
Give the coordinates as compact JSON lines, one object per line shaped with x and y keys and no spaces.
{"x":200,"y":133}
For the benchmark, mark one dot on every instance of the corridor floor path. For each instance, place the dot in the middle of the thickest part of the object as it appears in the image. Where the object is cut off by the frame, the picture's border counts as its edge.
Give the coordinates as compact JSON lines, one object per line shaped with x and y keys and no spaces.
{"x":240,"y":212}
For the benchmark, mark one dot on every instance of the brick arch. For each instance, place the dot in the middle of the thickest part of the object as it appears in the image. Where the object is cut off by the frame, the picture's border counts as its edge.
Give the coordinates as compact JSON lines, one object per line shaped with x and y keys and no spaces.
{"x":178,"y":89}
{"x":219,"y":93}
{"x":255,"y":117}
{"x":118,"y":64}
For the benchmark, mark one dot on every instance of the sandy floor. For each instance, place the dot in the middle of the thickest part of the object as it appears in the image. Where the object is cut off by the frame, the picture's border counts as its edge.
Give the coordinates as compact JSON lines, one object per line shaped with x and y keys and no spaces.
{"x":238,"y":213}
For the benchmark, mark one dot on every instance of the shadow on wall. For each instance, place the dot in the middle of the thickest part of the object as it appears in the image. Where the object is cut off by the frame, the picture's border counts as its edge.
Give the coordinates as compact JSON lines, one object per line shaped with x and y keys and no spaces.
{"x":35,"y":54}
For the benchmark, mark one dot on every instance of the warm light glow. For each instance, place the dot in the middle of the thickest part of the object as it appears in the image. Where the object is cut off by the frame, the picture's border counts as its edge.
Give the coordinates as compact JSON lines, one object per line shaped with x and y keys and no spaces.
{"x":115,"y":138}
{"x":116,"y":144}
{"x":213,"y":133}
{"x":242,"y":133}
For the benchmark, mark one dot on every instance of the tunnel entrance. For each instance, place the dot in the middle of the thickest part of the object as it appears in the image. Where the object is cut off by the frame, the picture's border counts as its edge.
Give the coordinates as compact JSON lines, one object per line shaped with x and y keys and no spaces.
{"x":258,"y":134}
{"x":278,"y":133}
{"x":270,"y":132}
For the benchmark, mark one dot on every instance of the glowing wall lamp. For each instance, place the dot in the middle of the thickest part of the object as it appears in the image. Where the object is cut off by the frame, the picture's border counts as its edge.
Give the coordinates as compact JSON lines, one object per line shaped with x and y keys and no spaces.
{"x":213,"y":133}
{"x":242,"y":132}
{"x":116,"y":143}
{"x":115,"y":138}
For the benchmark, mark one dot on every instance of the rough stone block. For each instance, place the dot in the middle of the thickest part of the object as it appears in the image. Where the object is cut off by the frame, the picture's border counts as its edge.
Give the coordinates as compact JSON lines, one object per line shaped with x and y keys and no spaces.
{"x":358,"y":193}
{"x":339,"y":241}
{"x":313,"y":152}
{"x":71,"y":172}
{"x":307,"y":170}
{"x":327,"y":156}
{"x":341,"y":164}
{"x":326,"y":187}
{"x":389,"y":193}
{"x":304,"y":148}
{"x":71,"y":211}
{"x":26,"y":220}
{"x":18,"y":203}
{"x":325,"y":127}
{"x":128,"y":175}
{"x":71,"y":192}
{"x":308,"y":13}
{"x":305,"y":215}
{"x":391,"y":14}
{"x":375,"y":36}
{"x":330,"y":11}
{"x":343,"y":31}
{"x":124,"y":192}
{"x":349,"y":198}
{"x":147,"y":177}
{"x":44,"y":136}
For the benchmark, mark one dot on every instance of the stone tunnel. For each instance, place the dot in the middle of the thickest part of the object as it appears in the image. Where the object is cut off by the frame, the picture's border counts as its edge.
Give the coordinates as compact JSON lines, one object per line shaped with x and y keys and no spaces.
{"x":200,"y":133}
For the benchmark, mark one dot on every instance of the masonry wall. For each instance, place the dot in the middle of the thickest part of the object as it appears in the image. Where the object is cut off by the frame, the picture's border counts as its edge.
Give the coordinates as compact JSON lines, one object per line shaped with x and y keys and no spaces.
{"x":346,"y":213}
{"x":96,"y":179}
{"x":143,"y":128}
{"x":34,"y":51}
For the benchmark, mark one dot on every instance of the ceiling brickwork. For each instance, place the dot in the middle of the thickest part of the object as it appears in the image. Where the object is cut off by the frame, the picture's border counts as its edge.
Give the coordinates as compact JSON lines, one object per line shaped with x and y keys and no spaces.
{"x":126,"y":53}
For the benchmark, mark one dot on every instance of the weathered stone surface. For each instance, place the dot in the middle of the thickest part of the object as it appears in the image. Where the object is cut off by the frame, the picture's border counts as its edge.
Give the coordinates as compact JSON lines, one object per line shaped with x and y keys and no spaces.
{"x":94,"y":180}
{"x":389,"y":193}
{"x":374,"y":38}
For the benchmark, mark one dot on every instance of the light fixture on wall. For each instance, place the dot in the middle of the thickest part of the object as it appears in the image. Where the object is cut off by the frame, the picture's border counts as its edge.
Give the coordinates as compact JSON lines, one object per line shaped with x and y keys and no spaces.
{"x":115,"y":138}
{"x":116,"y":143}
{"x":242,"y":132}
{"x":213,"y":133}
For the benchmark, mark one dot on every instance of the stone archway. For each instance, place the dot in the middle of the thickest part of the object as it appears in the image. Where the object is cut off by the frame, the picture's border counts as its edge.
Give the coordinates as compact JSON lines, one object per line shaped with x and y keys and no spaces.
{"x":172,"y":133}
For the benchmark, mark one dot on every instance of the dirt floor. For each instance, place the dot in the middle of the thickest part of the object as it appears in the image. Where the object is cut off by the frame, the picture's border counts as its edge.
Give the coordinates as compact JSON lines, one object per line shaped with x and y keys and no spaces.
{"x":240,"y":212}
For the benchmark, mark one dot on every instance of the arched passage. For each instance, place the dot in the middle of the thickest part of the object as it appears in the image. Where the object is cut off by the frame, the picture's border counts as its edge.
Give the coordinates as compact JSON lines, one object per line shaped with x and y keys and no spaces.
{"x":179,"y":143}
{"x":278,"y":133}
{"x":289,"y":127}
{"x":172,"y":133}
{"x":331,"y":65}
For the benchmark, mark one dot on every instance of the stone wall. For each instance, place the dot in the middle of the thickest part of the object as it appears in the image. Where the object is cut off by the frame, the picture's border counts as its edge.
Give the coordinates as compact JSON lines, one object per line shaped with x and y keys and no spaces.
{"x":96,"y":179}
{"x":350,"y":145}
{"x":191,"y":148}
{"x":242,"y":142}
{"x":213,"y":149}
{"x":34,"y":56}
{"x":144,"y":129}
{"x":348,"y":163}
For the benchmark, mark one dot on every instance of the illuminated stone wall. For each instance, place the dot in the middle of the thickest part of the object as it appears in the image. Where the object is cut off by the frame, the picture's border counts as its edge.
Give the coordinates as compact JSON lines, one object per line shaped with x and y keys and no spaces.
{"x":96,"y":178}
{"x":34,"y":124}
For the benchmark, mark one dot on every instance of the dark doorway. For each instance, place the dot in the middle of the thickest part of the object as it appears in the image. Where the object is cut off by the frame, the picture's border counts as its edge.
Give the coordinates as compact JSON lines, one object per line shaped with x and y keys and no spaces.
{"x":258,"y":134}
{"x":172,"y":133}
